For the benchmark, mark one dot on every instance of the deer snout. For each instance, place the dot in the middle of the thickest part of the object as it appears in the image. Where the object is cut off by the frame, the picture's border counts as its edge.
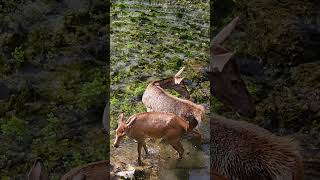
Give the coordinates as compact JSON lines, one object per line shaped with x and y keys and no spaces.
{"x":115,"y":145}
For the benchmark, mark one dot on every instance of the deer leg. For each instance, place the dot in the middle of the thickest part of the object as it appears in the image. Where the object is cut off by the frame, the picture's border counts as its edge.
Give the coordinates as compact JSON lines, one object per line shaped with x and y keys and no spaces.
{"x":178,"y":147}
{"x":196,"y":133}
{"x":145,"y":147}
{"x":139,"y":152}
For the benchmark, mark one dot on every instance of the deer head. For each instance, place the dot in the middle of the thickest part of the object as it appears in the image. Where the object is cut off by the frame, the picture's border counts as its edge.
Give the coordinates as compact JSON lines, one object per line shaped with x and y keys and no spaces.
{"x":225,"y":80}
{"x":176,"y":83}
{"x":122,"y":129}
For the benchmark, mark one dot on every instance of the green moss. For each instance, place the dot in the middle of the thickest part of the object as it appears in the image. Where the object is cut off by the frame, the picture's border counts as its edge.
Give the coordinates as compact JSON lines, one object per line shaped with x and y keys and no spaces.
{"x":91,"y":93}
{"x":306,"y":75}
{"x":18,"y":56}
{"x":268,"y":31}
{"x":13,"y":126}
{"x":215,"y":105}
{"x":52,"y":82}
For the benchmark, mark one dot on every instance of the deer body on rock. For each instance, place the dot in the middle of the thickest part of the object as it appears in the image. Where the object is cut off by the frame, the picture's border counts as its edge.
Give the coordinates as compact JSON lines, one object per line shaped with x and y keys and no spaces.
{"x":168,"y":126}
{"x":156,"y":99}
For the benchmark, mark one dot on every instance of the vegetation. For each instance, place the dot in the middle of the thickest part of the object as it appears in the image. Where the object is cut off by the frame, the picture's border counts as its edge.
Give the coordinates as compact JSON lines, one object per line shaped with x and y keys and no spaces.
{"x":53,"y":81}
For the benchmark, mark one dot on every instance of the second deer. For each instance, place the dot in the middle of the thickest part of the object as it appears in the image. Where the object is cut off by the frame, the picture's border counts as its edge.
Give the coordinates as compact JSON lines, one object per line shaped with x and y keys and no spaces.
{"x":168,"y":126}
{"x":156,"y":99}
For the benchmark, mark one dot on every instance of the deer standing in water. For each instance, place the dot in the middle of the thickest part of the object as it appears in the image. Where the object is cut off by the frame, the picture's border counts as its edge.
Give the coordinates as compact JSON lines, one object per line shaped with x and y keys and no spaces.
{"x":240,"y":150}
{"x":167,"y":126}
{"x":156,"y":99}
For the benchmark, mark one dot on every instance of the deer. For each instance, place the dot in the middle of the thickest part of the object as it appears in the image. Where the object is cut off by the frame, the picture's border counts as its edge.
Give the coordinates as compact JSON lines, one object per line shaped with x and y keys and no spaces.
{"x":240,"y":151}
{"x":226,"y":83}
{"x":156,"y":99}
{"x":167,"y":126}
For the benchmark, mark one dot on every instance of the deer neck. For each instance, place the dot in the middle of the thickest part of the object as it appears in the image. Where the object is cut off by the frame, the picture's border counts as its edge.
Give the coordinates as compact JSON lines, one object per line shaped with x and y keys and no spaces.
{"x":165,"y":83}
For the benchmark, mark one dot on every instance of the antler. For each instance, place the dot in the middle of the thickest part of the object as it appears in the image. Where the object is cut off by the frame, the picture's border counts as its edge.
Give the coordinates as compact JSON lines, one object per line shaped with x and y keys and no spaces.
{"x":177,"y":77}
{"x":179,"y":72}
{"x":38,"y":171}
{"x":225,"y":32}
{"x":220,"y":55}
{"x":120,"y":120}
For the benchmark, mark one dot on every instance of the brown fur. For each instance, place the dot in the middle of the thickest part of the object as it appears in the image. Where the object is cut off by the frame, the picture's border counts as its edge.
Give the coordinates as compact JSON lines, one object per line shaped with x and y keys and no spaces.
{"x":93,"y":171}
{"x":168,"y":126}
{"x":243,"y":151}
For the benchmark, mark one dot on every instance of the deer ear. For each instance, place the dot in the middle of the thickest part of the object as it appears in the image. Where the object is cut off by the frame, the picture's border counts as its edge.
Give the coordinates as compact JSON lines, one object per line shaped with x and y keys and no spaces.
{"x":129,"y":125}
{"x":219,"y":61}
{"x":178,"y":80}
{"x":38,"y":171}
{"x":179,"y":72}
{"x":121,"y":120}
{"x":225,"y":32}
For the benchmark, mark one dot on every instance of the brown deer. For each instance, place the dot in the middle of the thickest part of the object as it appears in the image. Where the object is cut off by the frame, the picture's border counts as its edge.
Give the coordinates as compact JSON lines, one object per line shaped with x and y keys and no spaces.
{"x":167,"y":126}
{"x":225,"y":80}
{"x":243,"y":151}
{"x":156,"y":99}
{"x":99,"y":170}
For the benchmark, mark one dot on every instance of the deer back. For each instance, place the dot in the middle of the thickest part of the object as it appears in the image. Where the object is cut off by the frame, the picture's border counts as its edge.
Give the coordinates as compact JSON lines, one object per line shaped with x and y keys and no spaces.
{"x":240,"y":150}
{"x":156,"y":98}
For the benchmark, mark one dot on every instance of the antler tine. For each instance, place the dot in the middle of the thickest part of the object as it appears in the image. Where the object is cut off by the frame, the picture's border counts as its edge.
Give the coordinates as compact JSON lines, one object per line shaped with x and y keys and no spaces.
{"x":179,"y":72}
{"x":225,"y":32}
{"x":219,"y":61}
{"x":121,"y":117}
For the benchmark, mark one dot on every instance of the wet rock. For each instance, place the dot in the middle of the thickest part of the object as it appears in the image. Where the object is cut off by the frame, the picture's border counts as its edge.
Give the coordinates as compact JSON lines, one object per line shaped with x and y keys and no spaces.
{"x":126,"y":174}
